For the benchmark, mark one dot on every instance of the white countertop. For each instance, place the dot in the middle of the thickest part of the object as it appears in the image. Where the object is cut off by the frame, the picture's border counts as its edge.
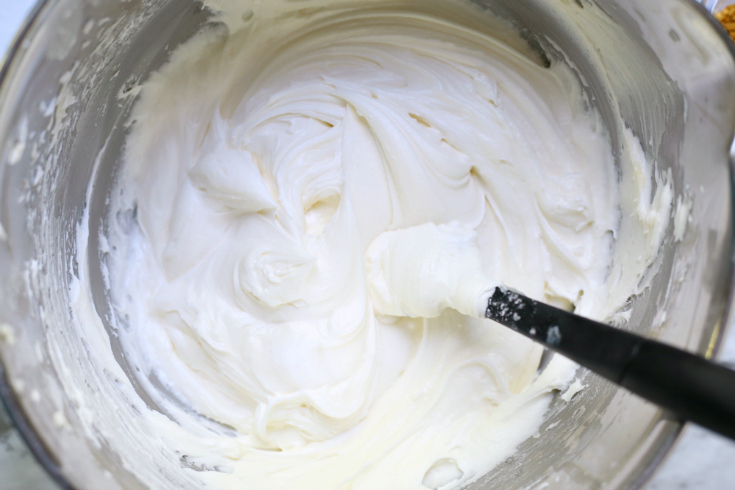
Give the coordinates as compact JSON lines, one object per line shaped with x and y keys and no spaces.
{"x":701,"y":460}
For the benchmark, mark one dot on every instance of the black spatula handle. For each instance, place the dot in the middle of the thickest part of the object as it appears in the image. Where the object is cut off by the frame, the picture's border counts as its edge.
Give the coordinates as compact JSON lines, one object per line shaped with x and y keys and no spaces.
{"x":689,"y":386}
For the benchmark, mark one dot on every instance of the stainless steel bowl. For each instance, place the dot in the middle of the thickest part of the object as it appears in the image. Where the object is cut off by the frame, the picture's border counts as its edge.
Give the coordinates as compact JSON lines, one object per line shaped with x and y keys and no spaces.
{"x":665,"y":67}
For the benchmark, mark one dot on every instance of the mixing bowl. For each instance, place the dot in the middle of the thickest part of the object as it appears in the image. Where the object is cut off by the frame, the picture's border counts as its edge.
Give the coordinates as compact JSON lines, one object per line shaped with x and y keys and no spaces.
{"x":664,"y":68}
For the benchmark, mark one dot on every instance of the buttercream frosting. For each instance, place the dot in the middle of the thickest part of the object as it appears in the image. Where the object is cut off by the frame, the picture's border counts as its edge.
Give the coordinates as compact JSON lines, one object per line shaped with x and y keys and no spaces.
{"x":318,"y":202}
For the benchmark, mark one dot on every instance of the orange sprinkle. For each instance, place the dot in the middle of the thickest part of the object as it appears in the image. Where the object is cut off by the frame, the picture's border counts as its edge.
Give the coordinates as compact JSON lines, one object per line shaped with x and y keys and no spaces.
{"x":727,"y":17}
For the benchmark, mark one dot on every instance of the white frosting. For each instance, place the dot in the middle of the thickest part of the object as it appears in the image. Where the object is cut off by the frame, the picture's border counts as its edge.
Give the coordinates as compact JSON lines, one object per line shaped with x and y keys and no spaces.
{"x":322,"y":203}
{"x":423,"y":270}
